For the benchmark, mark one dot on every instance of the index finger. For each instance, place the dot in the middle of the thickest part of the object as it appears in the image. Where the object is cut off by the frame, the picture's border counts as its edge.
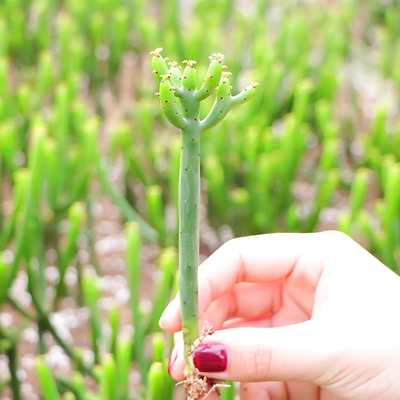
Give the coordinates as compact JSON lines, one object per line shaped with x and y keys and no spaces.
{"x":264,"y":258}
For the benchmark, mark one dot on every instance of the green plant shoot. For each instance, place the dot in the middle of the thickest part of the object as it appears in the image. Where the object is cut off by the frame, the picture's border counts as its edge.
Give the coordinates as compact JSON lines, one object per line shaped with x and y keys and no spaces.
{"x":180,"y":99}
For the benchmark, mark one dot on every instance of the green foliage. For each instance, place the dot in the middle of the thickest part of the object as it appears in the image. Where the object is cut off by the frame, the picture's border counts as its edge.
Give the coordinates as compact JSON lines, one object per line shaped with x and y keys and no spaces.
{"x":318,"y":147}
{"x":47,"y":382}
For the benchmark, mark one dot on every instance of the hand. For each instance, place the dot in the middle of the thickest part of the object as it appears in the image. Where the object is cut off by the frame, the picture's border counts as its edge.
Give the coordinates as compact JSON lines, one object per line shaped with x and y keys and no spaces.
{"x":306,"y":316}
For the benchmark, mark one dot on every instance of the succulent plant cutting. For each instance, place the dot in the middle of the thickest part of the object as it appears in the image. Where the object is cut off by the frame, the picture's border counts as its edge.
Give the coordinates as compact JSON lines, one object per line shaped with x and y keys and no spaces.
{"x":180,"y":98}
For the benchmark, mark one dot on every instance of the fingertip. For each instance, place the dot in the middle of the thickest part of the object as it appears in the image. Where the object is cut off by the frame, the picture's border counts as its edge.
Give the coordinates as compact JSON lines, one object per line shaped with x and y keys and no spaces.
{"x":162,"y":324}
{"x":172,"y":358}
{"x":176,"y":363}
{"x":170,"y":319}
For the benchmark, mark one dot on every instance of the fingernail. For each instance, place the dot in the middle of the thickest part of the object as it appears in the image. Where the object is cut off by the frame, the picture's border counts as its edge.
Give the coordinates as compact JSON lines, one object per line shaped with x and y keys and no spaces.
{"x":210,"y":357}
{"x":172,"y":358}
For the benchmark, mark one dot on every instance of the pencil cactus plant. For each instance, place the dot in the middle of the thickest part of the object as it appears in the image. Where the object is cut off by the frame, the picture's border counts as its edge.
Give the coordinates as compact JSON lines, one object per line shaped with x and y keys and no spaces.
{"x":180,"y":98}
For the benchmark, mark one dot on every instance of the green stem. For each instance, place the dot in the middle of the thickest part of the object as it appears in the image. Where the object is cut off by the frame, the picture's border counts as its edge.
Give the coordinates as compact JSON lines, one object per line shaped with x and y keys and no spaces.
{"x":13,"y":365}
{"x":189,"y":204}
{"x":22,"y":311}
{"x":68,"y":350}
{"x":133,"y":272}
{"x":1,"y":196}
{"x":186,"y":117}
{"x":120,"y":201}
{"x":44,"y":321}
{"x":90,"y":235}
{"x":11,"y":352}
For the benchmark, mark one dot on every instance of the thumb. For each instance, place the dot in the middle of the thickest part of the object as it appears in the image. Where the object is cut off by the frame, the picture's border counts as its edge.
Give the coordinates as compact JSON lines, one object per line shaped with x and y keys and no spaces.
{"x":291,"y":353}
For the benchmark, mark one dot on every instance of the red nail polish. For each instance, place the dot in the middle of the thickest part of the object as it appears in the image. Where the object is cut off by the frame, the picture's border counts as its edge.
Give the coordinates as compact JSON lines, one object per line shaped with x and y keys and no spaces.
{"x":210,"y":357}
{"x":172,"y":358}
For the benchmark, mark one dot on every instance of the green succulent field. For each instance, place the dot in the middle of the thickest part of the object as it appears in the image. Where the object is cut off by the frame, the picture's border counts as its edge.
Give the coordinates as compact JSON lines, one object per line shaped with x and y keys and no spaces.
{"x":89,"y":167}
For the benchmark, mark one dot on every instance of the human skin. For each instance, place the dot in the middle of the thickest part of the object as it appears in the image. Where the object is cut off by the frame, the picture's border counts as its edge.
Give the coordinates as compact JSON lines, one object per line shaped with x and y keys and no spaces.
{"x":301,"y":316}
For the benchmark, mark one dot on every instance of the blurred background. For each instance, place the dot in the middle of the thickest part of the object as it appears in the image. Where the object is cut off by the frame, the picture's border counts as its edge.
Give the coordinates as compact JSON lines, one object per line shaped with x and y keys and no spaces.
{"x":89,"y":167}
